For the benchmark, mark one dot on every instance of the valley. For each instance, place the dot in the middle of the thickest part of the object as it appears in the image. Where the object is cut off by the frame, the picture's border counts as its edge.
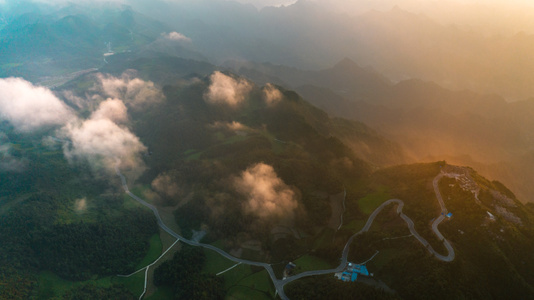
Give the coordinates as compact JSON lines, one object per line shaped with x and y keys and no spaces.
{"x":236,"y":149}
{"x":279,"y":284}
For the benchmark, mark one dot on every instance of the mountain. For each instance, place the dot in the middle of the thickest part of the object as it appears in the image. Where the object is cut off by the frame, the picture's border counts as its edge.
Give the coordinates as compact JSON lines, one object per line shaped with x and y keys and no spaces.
{"x":210,"y":150}
{"x":204,"y":154}
{"x":205,"y":149}
{"x":71,"y":39}
{"x":428,"y":120}
{"x":401,"y":42}
{"x":487,"y":224}
{"x":346,"y":77}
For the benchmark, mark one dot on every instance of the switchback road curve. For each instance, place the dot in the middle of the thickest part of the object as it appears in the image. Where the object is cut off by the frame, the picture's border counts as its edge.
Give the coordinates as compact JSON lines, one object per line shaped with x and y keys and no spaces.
{"x":280,"y":283}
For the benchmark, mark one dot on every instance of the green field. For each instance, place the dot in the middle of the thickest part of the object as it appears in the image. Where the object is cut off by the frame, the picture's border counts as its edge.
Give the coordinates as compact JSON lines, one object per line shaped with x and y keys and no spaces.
{"x":370,"y":202}
{"x":215,"y":263}
{"x":163,"y":292}
{"x":310,"y":263}
{"x":235,"y":275}
{"x":153,"y":253}
{"x":260,"y":281}
{"x":194,"y":156}
{"x":242,"y":283}
{"x":134,"y":283}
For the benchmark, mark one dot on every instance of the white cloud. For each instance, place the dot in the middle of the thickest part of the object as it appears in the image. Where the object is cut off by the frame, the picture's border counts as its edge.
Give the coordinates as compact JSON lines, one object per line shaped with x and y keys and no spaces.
{"x":7,"y":161}
{"x":233,"y":126}
{"x":176,"y":36}
{"x":271,"y":94}
{"x":164,"y":184}
{"x":74,"y":100}
{"x":99,"y":139}
{"x":112,"y":109}
{"x":29,"y":107}
{"x":136,"y":93}
{"x":226,"y":90}
{"x":103,"y":143}
{"x":267,"y":195}
{"x":102,"y":139}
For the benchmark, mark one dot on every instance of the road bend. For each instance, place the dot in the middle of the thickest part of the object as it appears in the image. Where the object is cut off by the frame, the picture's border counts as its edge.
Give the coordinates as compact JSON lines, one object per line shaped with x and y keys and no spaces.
{"x":280,"y":283}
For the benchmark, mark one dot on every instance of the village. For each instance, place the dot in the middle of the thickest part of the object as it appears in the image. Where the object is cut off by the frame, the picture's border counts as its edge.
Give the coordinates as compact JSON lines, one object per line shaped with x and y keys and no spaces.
{"x":350,"y":274}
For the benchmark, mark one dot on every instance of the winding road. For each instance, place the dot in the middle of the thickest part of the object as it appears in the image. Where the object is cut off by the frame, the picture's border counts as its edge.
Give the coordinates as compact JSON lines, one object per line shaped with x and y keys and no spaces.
{"x":280,"y":283}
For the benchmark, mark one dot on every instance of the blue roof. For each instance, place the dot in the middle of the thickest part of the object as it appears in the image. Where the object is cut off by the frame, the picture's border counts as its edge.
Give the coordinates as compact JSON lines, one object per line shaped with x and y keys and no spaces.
{"x":354,"y":276}
{"x":449,"y":215}
{"x":361,"y":270}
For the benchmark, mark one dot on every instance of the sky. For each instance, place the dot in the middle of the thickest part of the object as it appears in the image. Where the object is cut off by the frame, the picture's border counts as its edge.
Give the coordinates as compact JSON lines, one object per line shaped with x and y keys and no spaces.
{"x":263,"y":3}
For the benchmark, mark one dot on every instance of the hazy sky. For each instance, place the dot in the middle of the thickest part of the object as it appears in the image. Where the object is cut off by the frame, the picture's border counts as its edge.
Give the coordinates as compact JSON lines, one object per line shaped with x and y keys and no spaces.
{"x":263,"y":3}
{"x":348,"y":6}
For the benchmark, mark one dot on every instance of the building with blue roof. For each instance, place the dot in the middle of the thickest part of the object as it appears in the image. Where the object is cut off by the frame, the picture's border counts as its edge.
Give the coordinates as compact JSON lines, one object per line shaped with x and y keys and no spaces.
{"x":352,"y":271}
{"x":361,"y":270}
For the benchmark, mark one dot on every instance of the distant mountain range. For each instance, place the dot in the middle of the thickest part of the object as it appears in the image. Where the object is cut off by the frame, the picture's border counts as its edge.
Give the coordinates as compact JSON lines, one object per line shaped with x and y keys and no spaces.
{"x":271,"y":134}
{"x":398,"y":43}
{"x":199,"y":146}
{"x":38,"y":44}
{"x":429,"y":121}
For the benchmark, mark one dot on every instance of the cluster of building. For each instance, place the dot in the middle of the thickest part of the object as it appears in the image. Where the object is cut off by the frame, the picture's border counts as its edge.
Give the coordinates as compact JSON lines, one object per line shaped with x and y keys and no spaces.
{"x":352,"y":271}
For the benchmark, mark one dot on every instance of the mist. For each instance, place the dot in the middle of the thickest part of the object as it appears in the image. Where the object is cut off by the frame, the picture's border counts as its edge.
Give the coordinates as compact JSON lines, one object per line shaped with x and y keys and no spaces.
{"x":225,"y":90}
{"x":136,"y":93}
{"x":103,"y":140}
{"x":267,"y":195}
{"x":145,"y":134}
{"x":30,"y":107}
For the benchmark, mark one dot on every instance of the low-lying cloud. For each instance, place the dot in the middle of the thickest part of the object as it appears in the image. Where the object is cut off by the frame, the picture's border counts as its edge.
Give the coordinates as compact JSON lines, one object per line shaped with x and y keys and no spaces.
{"x":163,"y":184}
{"x":103,"y":143}
{"x":271,"y":94}
{"x":30,"y":107}
{"x":136,"y":93}
{"x":103,"y":139}
{"x":9,"y":163}
{"x":176,"y":36}
{"x":267,"y":195}
{"x":75,"y":100}
{"x":112,"y":109}
{"x":233,"y":126}
{"x":226,"y":90}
